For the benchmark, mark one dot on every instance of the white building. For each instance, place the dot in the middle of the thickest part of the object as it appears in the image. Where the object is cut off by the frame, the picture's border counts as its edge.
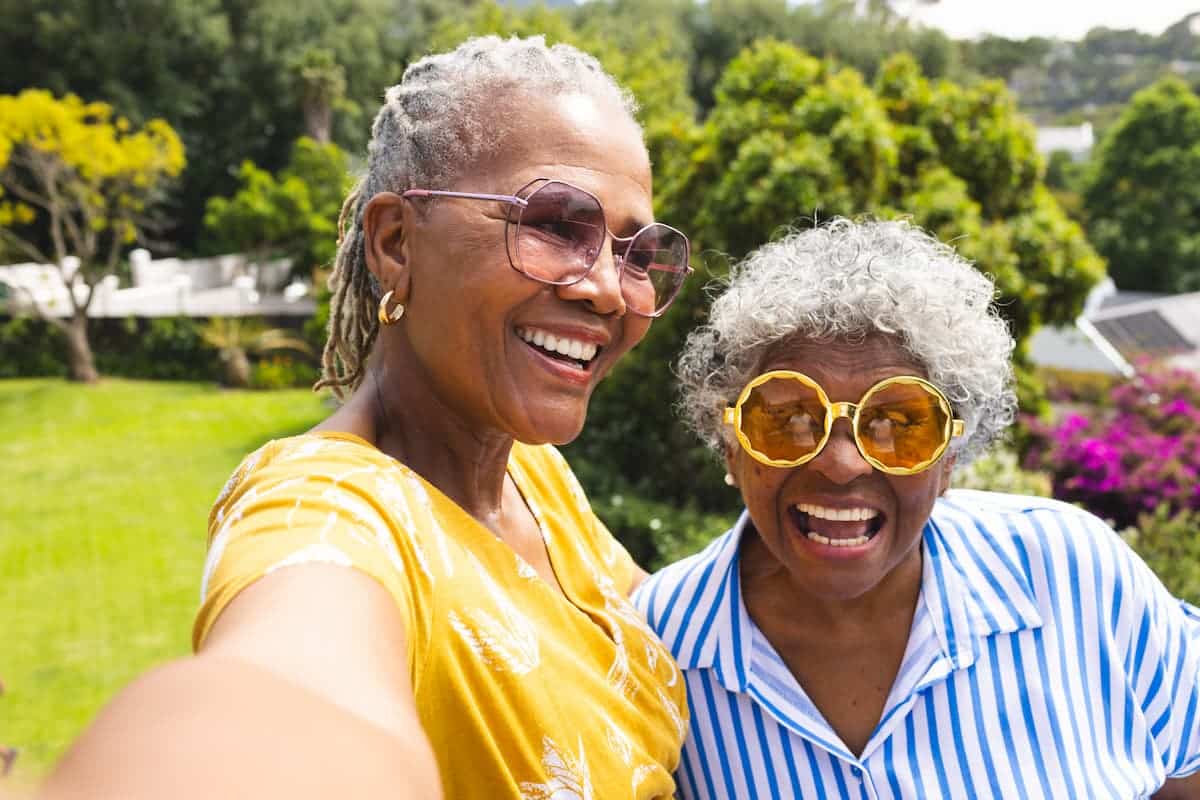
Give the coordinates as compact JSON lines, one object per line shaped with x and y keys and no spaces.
{"x":1118,"y":328}
{"x":1078,"y":140}
{"x":223,"y":286}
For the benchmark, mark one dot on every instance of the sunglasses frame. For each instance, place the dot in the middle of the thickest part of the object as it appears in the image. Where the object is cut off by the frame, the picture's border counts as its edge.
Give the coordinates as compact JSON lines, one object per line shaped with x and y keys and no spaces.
{"x":518,"y":204}
{"x":952,"y":429}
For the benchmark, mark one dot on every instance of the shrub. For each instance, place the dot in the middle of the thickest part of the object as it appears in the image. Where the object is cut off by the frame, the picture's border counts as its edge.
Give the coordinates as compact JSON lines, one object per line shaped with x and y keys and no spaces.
{"x":657,"y":534}
{"x":1169,"y":542}
{"x":1141,"y":454}
{"x":31,"y":348}
{"x":159,"y":348}
{"x":282,"y":372}
{"x":1000,"y":471}
{"x":1074,"y":386}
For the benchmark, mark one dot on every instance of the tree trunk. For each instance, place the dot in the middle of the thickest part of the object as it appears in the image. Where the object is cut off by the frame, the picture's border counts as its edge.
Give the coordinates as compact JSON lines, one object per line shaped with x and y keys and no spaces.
{"x":237,"y":367}
{"x":318,"y":119}
{"x":80,"y":361}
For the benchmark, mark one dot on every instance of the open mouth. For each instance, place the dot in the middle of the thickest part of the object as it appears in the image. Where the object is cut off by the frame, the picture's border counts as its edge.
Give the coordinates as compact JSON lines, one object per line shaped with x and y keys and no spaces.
{"x":575,"y":352}
{"x":837,"y":527}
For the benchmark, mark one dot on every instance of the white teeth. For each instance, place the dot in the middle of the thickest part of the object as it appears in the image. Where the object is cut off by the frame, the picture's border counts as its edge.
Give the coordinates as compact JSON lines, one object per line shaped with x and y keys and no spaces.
{"x":855,"y":542}
{"x":838,"y":514}
{"x":571,"y":348}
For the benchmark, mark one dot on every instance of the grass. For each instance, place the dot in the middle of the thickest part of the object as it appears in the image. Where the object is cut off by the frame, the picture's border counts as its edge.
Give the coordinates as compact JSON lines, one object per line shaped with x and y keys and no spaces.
{"x":104,"y":497}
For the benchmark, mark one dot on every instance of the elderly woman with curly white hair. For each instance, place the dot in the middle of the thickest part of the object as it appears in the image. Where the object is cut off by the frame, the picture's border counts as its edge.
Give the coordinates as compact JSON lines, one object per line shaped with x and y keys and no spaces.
{"x":862,"y":632}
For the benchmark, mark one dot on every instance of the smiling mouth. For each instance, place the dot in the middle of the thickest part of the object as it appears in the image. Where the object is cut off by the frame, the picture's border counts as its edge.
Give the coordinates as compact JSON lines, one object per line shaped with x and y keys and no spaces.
{"x":575,"y":352}
{"x":837,"y":527}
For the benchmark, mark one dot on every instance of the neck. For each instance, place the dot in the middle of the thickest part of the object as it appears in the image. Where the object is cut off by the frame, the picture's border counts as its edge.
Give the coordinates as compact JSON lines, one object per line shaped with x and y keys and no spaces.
{"x":412,"y":424}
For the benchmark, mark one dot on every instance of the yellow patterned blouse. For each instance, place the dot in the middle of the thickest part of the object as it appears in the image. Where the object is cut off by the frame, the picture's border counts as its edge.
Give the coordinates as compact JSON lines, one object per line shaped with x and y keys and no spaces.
{"x":523,"y":694}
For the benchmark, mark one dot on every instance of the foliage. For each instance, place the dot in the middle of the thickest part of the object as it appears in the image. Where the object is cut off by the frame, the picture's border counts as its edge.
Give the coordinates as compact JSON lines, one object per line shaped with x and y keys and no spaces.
{"x":31,"y":347}
{"x":860,"y":35}
{"x":791,"y":137}
{"x":160,"y":348}
{"x":235,"y":338}
{"x":293,"y":214}
{"x":1169,"y":542}
{"x":1071,"y":81}
{"x":1072,"y":386}
{"x":227,"y":74}
{"x":282,"y":372}
{"x":641,"y":50}
{"x":78,"y":180}
{"x":106,"y":492}
{"x":654,"y":533}
{"x":1143,"y":198}
{"x":1141,"y":453}
{"x":1065,"y":179}
{"x":1000,"y":471}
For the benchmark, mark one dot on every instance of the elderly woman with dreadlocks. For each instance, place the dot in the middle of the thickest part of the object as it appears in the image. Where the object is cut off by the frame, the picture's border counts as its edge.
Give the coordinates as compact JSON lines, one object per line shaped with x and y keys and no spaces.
{"x":415,"y":597}
{"x":863,"y":633}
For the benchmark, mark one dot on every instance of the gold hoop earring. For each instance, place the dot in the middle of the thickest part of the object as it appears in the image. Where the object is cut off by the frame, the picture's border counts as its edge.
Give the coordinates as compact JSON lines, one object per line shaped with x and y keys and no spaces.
{"x":388,"y":317}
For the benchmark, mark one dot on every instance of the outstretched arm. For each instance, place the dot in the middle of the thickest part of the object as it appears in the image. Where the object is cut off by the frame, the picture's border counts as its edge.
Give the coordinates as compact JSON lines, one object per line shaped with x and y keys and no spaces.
{"x":301,"y":690}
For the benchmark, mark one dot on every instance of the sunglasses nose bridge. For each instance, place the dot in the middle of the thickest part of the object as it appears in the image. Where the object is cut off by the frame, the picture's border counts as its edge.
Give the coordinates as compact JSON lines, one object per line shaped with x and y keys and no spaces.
{"x":839,"y":410}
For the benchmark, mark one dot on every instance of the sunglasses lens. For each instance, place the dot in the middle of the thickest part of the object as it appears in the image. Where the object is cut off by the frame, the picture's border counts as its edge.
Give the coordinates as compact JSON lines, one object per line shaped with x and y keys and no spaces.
{"x":558,"y":234}
{"x":783,"y":419}
{"x":903,"y":425}
{"x":656,"y":265}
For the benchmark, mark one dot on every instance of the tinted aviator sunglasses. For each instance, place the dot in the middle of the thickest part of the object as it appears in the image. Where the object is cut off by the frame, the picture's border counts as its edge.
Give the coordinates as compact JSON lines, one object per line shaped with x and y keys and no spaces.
{"x":902,"y":425}
{"x":554,"y":233}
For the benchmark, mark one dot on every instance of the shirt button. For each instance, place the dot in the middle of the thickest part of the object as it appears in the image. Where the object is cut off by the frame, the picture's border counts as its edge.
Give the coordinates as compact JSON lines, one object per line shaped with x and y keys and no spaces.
{"x":857,"y":772}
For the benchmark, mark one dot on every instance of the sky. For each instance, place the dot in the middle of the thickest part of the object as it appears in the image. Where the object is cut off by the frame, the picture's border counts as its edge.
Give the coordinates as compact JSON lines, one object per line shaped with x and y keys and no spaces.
{"x":1063,"y":19}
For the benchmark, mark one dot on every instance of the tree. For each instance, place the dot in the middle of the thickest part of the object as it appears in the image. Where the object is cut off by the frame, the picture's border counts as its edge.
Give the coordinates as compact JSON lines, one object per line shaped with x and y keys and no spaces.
{"x":78,"y":181}
{"x":639,"y":44}
{"x":1143,"y":197}
{"x":322,"y":83}
{"x":234,"y":338}
{"x":792,"y":139}
{"x":228,"y":75}
{"x":293,"y":214}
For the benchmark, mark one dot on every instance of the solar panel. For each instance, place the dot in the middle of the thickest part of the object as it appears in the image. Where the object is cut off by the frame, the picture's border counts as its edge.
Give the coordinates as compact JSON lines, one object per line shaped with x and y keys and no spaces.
{"x":1145,"y":333}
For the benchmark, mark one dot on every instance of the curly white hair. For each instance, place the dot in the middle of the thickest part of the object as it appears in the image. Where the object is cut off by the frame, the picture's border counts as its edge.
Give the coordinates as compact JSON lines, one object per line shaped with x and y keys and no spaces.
{"x":846,"y":280}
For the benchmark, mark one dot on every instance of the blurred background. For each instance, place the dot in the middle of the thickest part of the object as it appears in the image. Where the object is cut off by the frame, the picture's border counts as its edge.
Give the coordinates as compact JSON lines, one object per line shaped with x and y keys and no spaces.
{"x":171,"y":173}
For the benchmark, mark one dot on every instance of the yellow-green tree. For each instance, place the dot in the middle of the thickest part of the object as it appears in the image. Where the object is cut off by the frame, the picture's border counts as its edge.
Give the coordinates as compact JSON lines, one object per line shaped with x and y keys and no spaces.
{"x":77,"y":180}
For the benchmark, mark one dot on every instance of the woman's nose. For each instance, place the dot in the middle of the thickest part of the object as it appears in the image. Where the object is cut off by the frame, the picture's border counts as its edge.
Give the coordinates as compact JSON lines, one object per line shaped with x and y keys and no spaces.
{"x":840,"y":461}
{"x":601,"y":287}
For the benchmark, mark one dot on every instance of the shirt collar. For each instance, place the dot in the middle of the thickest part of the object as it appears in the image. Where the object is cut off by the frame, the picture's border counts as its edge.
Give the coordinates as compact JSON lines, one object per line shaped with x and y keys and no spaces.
{"x":974,"y":584}
{"x":719,"y":639}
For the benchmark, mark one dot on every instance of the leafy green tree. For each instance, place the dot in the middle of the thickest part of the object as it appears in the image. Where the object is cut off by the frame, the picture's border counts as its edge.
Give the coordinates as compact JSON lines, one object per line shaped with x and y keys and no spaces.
{"x":78,"y":185}
{"x":1000,"y":57}
{"x":1143,"y":198}
{"x":235,"y":78}
{"x":292,"y":214}
{"x":791,"y":139}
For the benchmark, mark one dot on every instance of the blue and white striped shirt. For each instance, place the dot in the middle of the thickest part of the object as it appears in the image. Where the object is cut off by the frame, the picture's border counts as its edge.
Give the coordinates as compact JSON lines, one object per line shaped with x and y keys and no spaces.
{"x":1045,"y":660}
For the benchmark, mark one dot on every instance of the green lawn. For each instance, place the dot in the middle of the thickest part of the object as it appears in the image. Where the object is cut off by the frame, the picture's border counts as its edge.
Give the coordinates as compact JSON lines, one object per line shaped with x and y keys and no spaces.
{"x":104,"y":497}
